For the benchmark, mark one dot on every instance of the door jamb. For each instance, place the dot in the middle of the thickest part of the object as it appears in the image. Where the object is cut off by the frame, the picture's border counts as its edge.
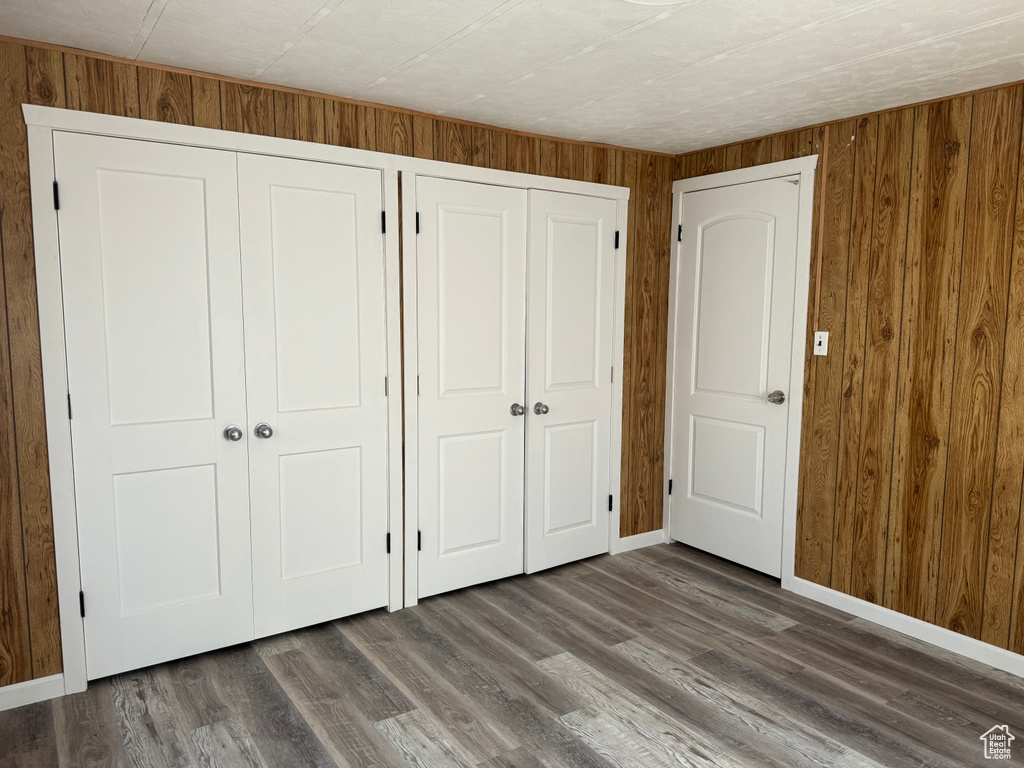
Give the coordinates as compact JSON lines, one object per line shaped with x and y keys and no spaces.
{"x":805,"y":168}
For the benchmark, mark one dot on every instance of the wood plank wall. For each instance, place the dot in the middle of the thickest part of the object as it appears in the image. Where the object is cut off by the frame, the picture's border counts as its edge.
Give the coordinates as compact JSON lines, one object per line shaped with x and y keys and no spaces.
{"x":912,"y":454}
{"x":29,"y":630}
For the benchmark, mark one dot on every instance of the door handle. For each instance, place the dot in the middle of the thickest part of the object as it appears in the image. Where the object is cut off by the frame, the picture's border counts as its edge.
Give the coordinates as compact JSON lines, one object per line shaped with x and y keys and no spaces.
{"x":263,"y":430}
{"x":517,"y":409}
{"x":778,"y":397}
{"x":233,"y":433}
{"x":540,"y":409}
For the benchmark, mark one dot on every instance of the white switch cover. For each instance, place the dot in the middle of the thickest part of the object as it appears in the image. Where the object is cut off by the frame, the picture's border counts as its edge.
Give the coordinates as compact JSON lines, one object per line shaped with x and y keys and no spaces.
{"x":821,"y":342}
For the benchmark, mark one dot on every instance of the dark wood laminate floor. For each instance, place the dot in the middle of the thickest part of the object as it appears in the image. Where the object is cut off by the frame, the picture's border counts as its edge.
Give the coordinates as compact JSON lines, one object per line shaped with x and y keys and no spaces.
{"x":660,"y":657}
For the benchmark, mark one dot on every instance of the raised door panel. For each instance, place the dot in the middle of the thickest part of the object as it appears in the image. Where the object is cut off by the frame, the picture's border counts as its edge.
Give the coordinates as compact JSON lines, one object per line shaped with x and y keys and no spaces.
{"x":571,"y":267}
{"x":149,"y":261}
{"x":313,"y":273}
{"x":471,"y":275}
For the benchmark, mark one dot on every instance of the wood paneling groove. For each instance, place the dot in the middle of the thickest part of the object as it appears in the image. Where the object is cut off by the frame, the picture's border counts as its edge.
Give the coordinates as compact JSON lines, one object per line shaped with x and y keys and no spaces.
{"x":299,"y":117}
{"x":931,"y":296}
{"x":423,"y":137}
{"x":394,"y":133}
{"x":981,"y":330}
{"x":95,"y":85}
{"x":351,"y":125}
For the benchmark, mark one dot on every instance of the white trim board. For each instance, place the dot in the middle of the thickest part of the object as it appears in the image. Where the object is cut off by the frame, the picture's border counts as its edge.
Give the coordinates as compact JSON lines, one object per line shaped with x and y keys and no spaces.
{"x":31,"y":691}
{"x":1000,"y":658}
{"x":805,"y":167}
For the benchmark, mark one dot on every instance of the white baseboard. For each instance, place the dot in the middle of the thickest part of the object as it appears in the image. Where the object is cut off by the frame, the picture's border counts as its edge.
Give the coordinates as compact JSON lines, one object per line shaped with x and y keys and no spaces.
{"x":999,"y":658}
{"x":638,"y":541}
{"x":31,"y":691}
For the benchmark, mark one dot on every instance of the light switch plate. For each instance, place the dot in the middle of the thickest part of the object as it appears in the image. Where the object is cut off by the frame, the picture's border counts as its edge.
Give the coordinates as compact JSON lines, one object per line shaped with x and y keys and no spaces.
{"x":821,"y":343}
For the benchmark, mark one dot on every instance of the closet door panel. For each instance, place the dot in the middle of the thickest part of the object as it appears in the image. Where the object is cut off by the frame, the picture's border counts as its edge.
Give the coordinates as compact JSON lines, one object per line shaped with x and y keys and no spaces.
{"x":471,"y":272}
{"x":313,"y":275}
{"x":153,"y":325}
{"x":569,"y":353}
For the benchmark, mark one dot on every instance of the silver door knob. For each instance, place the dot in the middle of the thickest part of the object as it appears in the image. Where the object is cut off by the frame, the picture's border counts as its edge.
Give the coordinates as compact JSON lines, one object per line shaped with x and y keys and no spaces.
{"x":263,"y":430}
{"x":233,"y":433}
{"x":516,"y":409}
{"x":540,"y":409}
{"x":778,"y":397}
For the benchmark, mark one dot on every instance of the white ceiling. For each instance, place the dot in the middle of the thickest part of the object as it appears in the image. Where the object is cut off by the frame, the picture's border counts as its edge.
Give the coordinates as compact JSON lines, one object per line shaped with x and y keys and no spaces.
{"x":664,"y":77}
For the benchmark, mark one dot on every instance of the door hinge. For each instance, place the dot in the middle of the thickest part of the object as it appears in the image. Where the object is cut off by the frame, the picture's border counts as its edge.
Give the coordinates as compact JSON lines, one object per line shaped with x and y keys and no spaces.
{"x":383,"y":221}
{"x":389,"y":544}
{"x":69,"y":406}
{"x":81,"y":603}
{"x":417,"y":386}
{"x":385,"y":386}
{"x":56,"y":197}
{"x":679,"y":236}
{"x":417,"y":222}
{"x":419,"y":541}
{"x":616,"y":239}
{"x":609,"y":502}
{"x":613,"y":375}
{"x":670,"y":486}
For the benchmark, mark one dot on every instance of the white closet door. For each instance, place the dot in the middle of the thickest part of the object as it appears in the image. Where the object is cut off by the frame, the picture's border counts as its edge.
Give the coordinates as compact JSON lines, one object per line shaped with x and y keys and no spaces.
{"x":471,"y":262}
{"x":313,"y":273}
{"x":569,"y":366}
{"x":153,"y":319}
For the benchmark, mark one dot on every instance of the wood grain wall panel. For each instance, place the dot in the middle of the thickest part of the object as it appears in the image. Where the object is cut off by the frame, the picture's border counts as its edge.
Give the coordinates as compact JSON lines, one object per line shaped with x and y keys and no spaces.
{"x":98,"y":85}
{"x":481,"y":156}
{"x":453,"y":142}
{"x":350,"y":125}
{"x":299,"y":117}
{"x":662,"y":256}
{"x":548,"y":157}
{"x":931,"y":294}
{"x":15,"y":639}
{"x":1004,"y":570}
{"x":755,"y":152}
{"x":498,"y":150}
{"x":394,"y":133}
{"x":523,"y":153}
{"x":206,"y":102}
{"x":881,"y":352}
{"x":165,"y":96}
{"x":819,"y":449}
{"x":45,"y":77}
{"x":26,"y":369}
{"x":858,"y":275}
{"x":247,"y":108}
{"x":733,"y":157}
{"x":571,"y":163}
{"x":979,"y":356}
{"x":423,"y":137}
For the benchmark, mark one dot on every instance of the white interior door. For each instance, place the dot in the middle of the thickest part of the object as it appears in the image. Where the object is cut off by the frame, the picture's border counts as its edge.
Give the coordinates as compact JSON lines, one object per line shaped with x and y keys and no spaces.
{"x":471,"y":285}
{"x":313,"y":274}
{"x":734,"y":327}
{"x":153,"y":322}
{"x":569,"y":368}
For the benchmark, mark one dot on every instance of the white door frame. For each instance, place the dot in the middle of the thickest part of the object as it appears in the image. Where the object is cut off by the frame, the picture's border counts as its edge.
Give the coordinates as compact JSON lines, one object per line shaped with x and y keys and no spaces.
{"x":804,"y":166}
{"x":411,"y":342}
{"x":41,"y":123}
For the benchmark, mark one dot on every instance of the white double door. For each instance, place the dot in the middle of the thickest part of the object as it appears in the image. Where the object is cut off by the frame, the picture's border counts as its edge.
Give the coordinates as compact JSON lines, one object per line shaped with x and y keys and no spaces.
{"x":514,"y":296}
{"x":735,"y":274}
{"x":206,"y":290}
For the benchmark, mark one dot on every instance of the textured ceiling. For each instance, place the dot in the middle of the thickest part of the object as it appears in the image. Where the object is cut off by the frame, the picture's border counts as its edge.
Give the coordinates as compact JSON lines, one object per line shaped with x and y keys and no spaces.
{"x":663,"y":77}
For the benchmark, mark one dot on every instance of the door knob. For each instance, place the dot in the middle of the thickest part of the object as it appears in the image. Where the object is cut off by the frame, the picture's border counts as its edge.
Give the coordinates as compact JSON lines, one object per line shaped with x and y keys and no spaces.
{"x":263,"y":430}
{"x":540,"y":409}
{"x":778,"y":397}
{"x":233,"y":433}
{"x":517,"y":409}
